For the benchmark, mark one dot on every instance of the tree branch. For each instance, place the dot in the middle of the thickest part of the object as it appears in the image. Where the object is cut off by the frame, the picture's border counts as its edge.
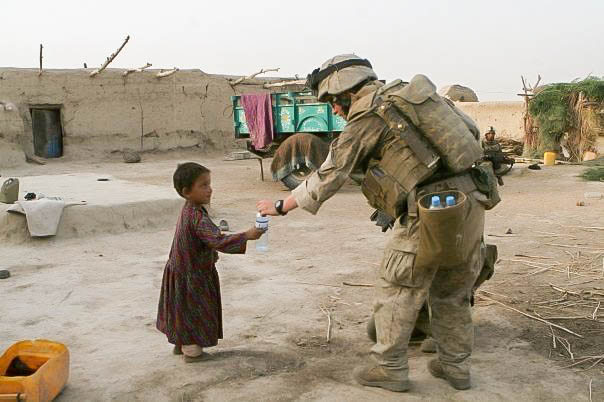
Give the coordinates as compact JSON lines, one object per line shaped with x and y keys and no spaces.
{"x":162,"y":74}
{"x":110,"y":58}
{"x":284,"y":83}
{"x":136,"y":70}
{"x":249,"y":77}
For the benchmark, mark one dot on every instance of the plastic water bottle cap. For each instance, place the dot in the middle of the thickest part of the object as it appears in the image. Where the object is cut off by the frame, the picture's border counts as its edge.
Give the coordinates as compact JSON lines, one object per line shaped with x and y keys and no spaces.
{"x":450,"y":200}
{"x":435,"y":201}
{"x":260,"y":218}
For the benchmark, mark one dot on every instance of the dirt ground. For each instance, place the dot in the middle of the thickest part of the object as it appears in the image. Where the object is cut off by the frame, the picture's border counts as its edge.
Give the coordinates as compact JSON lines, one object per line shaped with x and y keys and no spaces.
{"x":98,"y":295}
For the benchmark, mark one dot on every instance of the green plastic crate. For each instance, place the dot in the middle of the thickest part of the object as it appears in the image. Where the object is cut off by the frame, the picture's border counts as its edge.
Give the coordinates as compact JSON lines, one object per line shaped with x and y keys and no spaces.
{"x":293,"y":112}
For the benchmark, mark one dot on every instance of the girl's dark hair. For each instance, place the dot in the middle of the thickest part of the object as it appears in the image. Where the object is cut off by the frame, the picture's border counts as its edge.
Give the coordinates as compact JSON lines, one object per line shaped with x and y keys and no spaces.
{"x":186,"y":174}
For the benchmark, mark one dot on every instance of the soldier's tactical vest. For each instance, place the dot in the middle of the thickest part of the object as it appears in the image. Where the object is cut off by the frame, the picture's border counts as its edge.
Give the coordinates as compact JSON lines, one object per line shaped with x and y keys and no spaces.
{"x":427,"y":133}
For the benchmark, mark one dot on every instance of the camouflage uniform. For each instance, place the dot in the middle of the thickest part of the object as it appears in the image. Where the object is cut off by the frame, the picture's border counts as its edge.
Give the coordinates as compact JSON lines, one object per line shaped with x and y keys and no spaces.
{"x":490,"y":146}
{"x":404,"y":284}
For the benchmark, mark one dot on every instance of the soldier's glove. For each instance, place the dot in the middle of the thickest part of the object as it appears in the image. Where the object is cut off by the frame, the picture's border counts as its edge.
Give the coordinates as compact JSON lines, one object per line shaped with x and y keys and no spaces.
{"x":382,"y":219}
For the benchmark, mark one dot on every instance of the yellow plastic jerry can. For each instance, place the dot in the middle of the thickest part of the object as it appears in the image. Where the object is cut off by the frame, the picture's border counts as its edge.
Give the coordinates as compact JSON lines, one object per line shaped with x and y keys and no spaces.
{"x":33,"y":371}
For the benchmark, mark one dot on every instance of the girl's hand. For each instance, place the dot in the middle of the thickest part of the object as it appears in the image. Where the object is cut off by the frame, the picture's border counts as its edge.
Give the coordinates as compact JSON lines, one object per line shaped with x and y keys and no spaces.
{"x":253,"y":233}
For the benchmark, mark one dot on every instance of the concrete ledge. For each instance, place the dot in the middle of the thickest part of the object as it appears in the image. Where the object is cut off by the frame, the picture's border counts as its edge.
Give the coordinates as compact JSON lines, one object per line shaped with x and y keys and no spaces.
{"x":112,"y":206}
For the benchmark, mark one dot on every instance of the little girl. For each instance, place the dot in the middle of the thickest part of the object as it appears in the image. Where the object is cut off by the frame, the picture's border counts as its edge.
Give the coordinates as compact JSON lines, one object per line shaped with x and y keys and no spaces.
{"x":190,"y":311}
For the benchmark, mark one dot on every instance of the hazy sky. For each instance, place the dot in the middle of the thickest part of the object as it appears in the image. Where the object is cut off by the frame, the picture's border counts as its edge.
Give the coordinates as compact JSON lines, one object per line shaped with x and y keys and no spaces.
{"x":485,"y":45}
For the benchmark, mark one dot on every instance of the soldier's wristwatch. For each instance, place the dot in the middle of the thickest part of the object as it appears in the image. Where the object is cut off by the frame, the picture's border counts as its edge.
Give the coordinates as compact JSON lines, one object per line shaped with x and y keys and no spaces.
{"x":279,"y":207}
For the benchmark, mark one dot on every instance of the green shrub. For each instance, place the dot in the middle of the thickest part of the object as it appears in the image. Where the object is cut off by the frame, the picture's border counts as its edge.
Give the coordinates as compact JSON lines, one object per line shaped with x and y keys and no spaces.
{"x":552,"y":108}
{"x":594,"y":173}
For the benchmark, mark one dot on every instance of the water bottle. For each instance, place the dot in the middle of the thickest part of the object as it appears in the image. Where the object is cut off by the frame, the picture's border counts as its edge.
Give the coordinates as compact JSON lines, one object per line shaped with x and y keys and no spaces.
{"x":450,"y":200}
{"x":435,"y":204}
{"x":262,"y":223}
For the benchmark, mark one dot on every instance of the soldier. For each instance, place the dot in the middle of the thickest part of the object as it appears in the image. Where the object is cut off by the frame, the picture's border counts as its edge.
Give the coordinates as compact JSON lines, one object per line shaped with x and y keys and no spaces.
{"x":489,"y":144}
{"x":400,"y":167}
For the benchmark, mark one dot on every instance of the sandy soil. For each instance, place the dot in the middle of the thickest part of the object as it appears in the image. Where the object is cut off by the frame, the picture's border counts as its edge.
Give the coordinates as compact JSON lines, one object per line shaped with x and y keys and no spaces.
{"x":98,"y":295}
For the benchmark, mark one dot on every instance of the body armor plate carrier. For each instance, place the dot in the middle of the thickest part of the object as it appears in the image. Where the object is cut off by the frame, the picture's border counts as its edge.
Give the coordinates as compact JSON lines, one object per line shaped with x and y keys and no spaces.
{"x":427,"y":134}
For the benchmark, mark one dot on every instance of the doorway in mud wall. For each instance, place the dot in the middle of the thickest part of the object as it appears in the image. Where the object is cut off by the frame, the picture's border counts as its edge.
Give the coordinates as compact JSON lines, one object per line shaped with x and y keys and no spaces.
{"x":47,"y":130}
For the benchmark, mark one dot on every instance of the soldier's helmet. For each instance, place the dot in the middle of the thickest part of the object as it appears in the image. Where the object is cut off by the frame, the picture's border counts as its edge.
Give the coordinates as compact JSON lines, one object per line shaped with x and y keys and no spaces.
{"x":491,"y":131}
{"x":339,"y":74}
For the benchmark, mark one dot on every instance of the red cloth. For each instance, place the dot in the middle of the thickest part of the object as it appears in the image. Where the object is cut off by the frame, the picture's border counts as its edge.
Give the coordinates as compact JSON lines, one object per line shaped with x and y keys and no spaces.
{"x":258,"y":111}
{"x":190,"y":309}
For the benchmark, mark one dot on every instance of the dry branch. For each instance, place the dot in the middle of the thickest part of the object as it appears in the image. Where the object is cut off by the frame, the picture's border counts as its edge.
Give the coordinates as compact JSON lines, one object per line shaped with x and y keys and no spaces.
{"x":251,"y":76}
{"x":136,"y":70}
{"x":326,"y":311}
{"x":364,"y":285}
{"x":533,"y":256}
{"x":590,"y":381}
{"x":318,"y":284}
{"x":284,"y":83}
{"x":594,"y":316}
{"x":110,"y":58}
{"x":163,"y":74}
{"x":533,"y":317}
{"x":40,"y":72}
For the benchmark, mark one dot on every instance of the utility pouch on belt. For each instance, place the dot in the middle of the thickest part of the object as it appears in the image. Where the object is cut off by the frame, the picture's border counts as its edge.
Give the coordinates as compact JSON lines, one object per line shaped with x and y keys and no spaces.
{"x":407,"y":160}
{"x":485,"y":180}
{"x":488,"y":267}
{"x":442,"y":232}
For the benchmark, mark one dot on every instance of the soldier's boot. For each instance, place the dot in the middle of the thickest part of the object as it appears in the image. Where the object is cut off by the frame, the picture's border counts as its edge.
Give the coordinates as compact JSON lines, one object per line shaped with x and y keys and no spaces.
{"x":436,"y":369}
{"x":377,"y":376}
{"x":428,"y":345}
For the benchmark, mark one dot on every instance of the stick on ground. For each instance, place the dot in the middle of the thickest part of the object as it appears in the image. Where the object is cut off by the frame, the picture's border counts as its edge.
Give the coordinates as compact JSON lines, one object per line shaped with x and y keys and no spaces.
{"x":363,"y":285}
{"x":326,"y":311}
{"x":533,"y":317}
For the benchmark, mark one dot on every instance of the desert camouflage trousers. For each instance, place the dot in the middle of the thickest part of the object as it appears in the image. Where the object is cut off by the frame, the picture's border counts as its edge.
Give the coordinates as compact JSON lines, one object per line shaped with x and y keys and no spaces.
{"x":405,"y":283}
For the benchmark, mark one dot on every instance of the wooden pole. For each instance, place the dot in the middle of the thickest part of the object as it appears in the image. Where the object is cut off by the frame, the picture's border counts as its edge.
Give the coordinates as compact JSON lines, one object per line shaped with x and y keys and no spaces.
{"x":163,"y":74}
{"x":110,"y":58}
{"x":40,"y":72}
{"x":137,"y":70}
{"x":19,"y":397}
{"x":284,"y":83}
{"x":249,"y":77}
